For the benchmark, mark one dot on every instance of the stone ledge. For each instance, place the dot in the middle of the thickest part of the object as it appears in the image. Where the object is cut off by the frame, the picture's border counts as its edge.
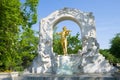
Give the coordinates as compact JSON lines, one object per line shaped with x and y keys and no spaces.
{"x":69,"y":77}
{"x":8,"y":74}
{"x":116,"y":74}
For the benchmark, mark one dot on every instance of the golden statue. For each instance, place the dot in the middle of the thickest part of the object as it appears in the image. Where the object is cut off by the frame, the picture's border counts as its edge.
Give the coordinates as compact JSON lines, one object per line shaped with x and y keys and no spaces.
{"x":63,"y":40}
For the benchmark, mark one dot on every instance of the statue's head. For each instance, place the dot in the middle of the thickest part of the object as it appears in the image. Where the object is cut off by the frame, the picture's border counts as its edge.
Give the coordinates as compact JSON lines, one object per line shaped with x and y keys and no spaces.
{"x":64,"y":28}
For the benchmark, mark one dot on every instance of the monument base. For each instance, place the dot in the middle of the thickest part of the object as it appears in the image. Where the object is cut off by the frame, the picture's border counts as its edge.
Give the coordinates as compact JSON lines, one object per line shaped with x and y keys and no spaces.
{"x":73,"y":64}
{"x":85,"y":63}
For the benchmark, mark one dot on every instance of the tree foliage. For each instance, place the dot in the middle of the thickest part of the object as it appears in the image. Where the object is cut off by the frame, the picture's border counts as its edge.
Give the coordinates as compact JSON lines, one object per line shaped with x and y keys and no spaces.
{"x":115,"y":47}
{"x":8,"y":32}
{"x":108,"y":56}
{"x":74,"y":44}
{"x":16,"y":20}
{"x":57,"y":47}
{"x":27,"y":46}
{"x":27,"y":40}
{"x":113,"y":54}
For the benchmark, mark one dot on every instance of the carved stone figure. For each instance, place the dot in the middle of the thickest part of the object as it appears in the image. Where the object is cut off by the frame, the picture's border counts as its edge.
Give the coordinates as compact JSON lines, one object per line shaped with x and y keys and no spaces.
{"x":63,"y":40}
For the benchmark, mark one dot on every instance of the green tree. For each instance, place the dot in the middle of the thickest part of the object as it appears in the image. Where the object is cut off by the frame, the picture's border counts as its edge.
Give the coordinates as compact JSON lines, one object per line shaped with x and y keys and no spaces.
{"x":29,"y":13}
{"x":27,"y":46}
{"x":113,"y":54}
{"x":115,"y":47}
{"x":10,"y":19}
{"x":16,"y":19}
{"x":28,"y":41}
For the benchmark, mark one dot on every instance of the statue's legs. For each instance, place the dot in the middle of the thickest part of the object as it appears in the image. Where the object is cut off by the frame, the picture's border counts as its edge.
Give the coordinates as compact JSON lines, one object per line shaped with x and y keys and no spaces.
{"x":62,"y":43}
{"x":64,"y":46}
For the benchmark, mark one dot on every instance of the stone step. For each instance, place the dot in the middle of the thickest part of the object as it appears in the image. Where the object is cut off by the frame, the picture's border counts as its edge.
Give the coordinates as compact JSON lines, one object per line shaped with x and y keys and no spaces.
{"x":68,"y":77}
{"x":94,"y":76}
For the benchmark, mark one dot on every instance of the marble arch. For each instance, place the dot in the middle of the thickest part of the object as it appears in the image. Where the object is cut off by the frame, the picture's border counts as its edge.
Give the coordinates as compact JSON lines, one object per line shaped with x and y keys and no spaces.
{"x":91,"y":61}
{"x":85,"y":20}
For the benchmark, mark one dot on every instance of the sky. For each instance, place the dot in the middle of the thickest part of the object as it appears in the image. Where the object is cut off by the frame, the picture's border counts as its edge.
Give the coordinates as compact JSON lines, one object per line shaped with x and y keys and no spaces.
{"x":106,"y":13}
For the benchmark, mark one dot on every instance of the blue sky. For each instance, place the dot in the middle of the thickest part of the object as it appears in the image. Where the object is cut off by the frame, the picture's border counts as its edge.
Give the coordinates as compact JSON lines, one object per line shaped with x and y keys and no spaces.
{"x":106,"y":12}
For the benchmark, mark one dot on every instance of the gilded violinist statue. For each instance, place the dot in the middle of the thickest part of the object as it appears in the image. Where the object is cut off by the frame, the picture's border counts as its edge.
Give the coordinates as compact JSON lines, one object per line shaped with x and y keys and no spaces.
{"x":63,"y":40}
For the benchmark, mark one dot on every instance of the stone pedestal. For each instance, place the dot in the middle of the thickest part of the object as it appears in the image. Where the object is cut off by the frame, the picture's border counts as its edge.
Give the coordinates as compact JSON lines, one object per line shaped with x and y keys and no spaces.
{"x":67,"y":64}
